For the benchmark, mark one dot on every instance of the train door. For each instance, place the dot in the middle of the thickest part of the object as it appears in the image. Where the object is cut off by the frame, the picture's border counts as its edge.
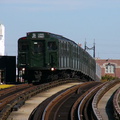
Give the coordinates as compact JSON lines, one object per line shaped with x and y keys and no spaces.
{"x":52,"y":47}
{"x":38,"y":57}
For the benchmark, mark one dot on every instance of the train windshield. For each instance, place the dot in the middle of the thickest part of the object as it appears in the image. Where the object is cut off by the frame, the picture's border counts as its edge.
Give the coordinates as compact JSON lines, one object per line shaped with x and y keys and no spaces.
{"x":38,"y":47}
{"x":23,"y":46}
{"x":52,"y":46}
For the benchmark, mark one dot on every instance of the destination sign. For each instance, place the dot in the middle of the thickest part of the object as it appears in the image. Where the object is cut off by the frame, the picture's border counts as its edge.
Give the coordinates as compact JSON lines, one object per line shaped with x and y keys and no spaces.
{"x":35,"y":35}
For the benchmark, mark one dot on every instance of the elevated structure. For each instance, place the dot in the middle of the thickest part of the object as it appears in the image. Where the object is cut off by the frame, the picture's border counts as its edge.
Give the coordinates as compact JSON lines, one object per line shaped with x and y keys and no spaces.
{"x":2,"y":40}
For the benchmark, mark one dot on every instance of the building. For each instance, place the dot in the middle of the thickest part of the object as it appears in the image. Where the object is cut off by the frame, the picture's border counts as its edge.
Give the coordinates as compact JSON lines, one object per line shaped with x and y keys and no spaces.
{"x":2,"y":40}
{"x":110,"y":67}
{"x":7,"y":69}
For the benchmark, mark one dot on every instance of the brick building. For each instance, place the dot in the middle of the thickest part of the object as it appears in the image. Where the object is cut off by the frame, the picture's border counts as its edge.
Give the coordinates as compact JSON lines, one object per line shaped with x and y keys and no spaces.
{"x":109,"y":67}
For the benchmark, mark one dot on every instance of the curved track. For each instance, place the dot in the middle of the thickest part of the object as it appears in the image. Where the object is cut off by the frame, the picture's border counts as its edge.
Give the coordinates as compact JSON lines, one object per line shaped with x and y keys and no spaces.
{"x":60,"y":107}
{"x":76,"y":103}
{"x":14,"y":97}
{"x":116,"y":104}
{"x":8,"y":95}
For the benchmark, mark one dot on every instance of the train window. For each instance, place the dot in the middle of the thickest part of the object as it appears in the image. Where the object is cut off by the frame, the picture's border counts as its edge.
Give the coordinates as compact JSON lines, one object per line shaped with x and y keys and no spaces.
{"x":38,"y":47}
{"x":23,"y":47}
{"x":22,"y":59}
{"x":67,"y":46}
{"x":52,"y":46}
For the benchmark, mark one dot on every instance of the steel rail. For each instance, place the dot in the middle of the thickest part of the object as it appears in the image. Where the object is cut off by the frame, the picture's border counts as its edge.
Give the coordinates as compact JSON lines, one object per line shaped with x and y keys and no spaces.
{"x":116,"y":104}
{"x":99,"y":95}
{"x":86,"y":98}
{"x":49,"y":107}
{"x":26,"y":94}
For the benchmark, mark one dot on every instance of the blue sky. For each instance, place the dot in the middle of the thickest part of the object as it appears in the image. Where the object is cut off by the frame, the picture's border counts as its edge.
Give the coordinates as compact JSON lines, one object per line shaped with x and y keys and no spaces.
{"x":78,"y":20}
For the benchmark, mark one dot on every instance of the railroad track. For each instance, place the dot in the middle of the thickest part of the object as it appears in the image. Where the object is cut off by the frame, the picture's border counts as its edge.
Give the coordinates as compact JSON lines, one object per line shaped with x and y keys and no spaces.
{"x":10,"y":94}
{"x":76,"y":103}
{"x":62,"y":106}
{"x":97,"y":115}
{"x":66,"y":104}
{"x":13,"y":98}
{"x":116,"y":104}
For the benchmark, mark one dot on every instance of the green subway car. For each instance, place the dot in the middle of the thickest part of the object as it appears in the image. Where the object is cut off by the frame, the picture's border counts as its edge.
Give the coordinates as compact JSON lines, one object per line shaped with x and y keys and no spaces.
{"x":44,"y":56}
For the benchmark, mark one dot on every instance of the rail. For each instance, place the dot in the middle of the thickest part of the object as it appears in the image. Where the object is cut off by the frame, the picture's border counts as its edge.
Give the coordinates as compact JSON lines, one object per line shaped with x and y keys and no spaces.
{"x":86,"y":98}
{"x":116,"y":104}
{"x":56,"y":99}
{"x":24,"y":95}
{"x":98,"y":96}
{"x":64,"y":98}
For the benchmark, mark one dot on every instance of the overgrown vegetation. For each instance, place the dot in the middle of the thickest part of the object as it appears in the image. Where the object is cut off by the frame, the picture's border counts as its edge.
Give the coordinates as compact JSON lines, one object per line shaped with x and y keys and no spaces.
{"x":108,"y":78}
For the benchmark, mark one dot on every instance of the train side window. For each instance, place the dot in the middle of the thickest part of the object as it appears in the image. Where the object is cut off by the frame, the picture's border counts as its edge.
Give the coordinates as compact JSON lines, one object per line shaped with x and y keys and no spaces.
{"x":52,"y":46}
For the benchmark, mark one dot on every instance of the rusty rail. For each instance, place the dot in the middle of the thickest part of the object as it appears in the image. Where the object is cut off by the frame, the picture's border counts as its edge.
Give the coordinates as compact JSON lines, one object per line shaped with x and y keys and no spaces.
{"x":86,"y":98}
{"x":59,"y":98}
{"x":75,"y":105}
{"x":55,"y":100}
{"x":24,"y":95}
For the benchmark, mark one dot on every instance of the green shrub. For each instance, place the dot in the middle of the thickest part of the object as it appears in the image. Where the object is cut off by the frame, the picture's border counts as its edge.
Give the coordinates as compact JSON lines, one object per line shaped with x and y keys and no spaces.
{"x":108,"y":77}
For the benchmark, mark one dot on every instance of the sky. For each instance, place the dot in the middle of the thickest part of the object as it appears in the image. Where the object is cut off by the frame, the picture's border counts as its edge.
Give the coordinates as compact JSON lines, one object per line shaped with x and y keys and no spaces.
{"x":79,"y":20}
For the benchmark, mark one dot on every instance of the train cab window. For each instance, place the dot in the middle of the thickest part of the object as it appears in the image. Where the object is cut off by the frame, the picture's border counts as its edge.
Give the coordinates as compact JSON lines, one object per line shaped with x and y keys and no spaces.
{"x":23,"y":47}
{"x":52,"y":46}
{"x":38,"y":47}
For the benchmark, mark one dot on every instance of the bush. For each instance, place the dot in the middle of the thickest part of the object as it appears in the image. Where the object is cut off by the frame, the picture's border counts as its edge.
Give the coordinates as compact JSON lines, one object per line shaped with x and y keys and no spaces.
{"x":108,"y":78}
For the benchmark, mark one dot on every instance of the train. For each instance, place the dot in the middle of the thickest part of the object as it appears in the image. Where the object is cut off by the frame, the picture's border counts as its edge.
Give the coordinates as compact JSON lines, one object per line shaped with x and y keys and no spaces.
{"x":45,"y":56}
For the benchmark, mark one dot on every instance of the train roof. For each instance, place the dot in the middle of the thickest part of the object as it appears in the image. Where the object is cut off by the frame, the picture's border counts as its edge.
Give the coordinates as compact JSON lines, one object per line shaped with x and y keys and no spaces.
{"x":60,"y":37}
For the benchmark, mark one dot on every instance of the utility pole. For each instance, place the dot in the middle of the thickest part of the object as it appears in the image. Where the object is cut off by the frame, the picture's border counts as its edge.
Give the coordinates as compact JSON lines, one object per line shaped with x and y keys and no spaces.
{"x":92,"y":48}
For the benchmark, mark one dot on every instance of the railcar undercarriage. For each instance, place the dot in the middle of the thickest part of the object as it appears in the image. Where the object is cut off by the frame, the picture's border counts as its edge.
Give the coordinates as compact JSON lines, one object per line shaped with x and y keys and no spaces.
{"x":43,"y":76}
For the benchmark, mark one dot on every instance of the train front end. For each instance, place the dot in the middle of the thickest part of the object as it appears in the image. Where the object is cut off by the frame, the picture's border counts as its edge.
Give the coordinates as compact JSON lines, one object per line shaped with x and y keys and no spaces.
{"x":37,"y":57}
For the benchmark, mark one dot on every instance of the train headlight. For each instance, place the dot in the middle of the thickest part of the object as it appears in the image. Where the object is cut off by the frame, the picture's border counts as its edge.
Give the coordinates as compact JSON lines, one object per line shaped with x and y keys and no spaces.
{"x":23,"y":69}
{"x":52,"y":69}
